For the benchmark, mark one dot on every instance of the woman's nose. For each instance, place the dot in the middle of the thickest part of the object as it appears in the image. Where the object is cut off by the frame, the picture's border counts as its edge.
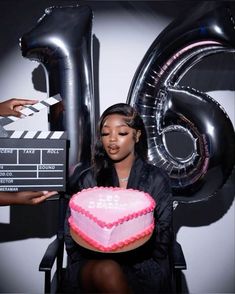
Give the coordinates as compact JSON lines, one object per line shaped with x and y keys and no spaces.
{"x":112,"y":137}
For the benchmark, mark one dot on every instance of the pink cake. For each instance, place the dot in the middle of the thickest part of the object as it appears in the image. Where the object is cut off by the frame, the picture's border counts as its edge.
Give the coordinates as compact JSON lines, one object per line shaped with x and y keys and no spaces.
{"x":111,"y":218}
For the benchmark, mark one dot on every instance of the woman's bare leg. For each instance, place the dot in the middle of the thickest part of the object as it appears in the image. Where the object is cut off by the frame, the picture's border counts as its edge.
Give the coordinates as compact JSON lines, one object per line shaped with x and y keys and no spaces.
{"x":104,"y":276}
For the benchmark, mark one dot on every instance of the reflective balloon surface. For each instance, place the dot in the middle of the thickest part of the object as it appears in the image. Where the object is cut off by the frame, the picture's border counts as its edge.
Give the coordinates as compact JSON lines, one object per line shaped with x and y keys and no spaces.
{"x":61,"y":42}
{"x":167,"y":108}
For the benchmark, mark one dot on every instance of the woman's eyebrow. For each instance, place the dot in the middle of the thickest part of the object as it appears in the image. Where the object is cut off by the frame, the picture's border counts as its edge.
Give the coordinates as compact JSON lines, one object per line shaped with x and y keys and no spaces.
{"x":118,"y":126}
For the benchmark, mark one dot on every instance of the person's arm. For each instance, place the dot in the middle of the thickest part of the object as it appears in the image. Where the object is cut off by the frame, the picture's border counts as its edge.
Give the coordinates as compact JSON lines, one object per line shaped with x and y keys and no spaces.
{"x":24,"y":197}
{"x":14,"y":105}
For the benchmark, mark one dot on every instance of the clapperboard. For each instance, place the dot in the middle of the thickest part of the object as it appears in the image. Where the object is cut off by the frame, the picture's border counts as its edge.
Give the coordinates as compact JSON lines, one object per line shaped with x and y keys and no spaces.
{"x":33,"y":160}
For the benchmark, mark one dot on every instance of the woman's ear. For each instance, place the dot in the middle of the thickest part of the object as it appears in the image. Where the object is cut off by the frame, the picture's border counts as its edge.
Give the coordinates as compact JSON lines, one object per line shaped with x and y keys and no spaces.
{"x":137,"y":137}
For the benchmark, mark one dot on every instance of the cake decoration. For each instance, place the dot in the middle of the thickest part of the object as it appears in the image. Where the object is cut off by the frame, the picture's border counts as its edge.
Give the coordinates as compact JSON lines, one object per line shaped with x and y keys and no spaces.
{"x":111,"y":218}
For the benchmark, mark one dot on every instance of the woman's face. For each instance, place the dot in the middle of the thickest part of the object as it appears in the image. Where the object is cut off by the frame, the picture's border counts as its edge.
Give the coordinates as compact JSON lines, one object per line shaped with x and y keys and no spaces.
{"x":118,"y":138}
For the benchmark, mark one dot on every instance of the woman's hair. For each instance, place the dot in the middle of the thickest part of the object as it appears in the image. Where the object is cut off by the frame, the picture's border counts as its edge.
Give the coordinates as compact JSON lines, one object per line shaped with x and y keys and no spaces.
{"x":133,"y":119}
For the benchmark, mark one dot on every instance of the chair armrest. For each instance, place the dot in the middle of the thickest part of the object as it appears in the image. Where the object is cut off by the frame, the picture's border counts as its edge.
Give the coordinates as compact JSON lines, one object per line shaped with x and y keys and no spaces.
{"x":178,"y":257}
{"x":50,"y":255}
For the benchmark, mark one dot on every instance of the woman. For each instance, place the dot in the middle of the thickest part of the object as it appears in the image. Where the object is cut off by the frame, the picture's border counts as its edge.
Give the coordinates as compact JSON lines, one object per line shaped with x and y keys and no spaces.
{"x":120,"y":160}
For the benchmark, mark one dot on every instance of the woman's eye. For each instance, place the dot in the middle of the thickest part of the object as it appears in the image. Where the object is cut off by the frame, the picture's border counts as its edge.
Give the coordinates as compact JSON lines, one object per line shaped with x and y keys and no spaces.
{"x":123,"y":133}
{"x":104,"y":134}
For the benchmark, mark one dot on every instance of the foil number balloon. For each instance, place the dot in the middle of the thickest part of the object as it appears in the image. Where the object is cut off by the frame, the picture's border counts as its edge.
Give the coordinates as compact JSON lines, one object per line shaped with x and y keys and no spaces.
{"x":61,"y":42}
{"x":166,"y":107}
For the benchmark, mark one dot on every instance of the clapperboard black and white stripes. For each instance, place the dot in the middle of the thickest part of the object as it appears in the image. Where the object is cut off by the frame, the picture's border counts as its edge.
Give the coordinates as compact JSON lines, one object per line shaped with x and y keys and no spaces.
{"x":36,"y":135}
{"x":33,"y":161}
{"x":32,"y":109}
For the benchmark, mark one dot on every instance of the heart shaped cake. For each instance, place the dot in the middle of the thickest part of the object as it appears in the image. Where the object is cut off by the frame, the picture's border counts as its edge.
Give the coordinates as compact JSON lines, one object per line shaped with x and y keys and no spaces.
{"x":110,"y":218}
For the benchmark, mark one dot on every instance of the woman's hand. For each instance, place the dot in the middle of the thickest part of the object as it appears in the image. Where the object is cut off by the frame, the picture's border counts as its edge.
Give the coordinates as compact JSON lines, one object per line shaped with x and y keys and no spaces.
{"x":24,"y":197}
{"x":14,"y":105}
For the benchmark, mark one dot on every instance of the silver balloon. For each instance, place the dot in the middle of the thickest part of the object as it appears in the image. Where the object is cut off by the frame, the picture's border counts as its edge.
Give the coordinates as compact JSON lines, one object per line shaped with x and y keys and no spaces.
{"x":205,"y":168}
{"x":167,"y":108}
{"x":61,"y":41}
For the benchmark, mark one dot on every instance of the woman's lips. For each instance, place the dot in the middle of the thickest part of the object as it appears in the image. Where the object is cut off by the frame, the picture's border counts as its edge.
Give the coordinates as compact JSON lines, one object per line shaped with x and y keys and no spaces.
{"x":113,"y":149}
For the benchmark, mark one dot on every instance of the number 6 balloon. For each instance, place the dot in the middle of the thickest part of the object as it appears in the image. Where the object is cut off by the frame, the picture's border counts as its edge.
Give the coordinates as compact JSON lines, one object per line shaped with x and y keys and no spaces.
{"x":166,"y":107}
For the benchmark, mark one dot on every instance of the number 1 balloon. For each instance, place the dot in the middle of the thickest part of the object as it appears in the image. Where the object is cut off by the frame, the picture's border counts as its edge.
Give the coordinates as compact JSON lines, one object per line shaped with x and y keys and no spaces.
{"x":166,"y":107}
{"x":61,"y":42}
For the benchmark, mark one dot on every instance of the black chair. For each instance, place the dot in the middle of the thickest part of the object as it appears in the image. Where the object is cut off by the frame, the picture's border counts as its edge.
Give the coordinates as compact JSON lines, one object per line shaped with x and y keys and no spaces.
{"x":54,"y":255}
{"x":52,"y":261}
{"x":178,"y":264}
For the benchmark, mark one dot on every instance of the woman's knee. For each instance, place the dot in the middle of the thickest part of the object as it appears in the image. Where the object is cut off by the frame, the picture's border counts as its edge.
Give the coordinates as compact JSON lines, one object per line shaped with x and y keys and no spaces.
{"x":106,"y":269}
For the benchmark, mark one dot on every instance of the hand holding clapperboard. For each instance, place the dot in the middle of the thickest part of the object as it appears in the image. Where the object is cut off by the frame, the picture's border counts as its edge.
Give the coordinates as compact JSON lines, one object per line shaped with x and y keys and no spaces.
{"x":32,"y":160}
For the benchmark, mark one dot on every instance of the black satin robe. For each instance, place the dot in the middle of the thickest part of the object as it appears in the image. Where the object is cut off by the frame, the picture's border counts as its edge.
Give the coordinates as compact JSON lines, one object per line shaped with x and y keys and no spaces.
{"x":147,"y":267}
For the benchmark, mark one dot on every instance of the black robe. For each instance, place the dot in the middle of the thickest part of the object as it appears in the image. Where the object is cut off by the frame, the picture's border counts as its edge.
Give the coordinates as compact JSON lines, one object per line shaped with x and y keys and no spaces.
{"x":147,"y":267}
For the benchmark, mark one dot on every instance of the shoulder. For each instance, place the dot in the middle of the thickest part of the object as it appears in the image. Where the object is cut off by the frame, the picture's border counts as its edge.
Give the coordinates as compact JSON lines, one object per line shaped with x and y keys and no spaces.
{"x":82,"y":178}
{"x":158,"y":184}
{"x":156,"y":170}
{"x":150,"y":171}
{"x":157,"y":176}
{"x":86,"y":175}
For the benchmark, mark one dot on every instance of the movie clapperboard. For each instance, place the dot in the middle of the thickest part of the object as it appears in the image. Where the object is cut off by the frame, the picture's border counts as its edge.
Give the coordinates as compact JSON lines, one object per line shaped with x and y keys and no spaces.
{"x":33,"y":160}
